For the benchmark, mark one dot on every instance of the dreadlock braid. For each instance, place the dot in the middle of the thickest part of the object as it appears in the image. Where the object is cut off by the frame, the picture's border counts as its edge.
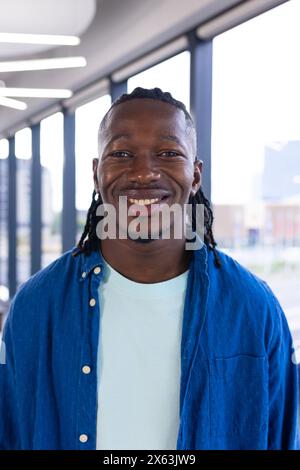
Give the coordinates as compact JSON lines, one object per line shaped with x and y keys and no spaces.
{"x":89,"y":241}
{"x":209,"y":240}
{"x":89,"y":231}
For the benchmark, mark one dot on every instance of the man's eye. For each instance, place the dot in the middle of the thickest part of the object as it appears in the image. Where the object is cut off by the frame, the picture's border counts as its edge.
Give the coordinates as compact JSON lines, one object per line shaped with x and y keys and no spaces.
{"x":120,"y":154}
{"x":169,"y":153}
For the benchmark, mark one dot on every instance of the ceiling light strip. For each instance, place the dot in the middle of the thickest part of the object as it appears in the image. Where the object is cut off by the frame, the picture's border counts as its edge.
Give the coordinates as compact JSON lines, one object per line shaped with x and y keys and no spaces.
{"x":11,"y":103}
{"x":236,"y":16}
{"x":35,"y":92}
{"x":42,"y":64}
{"x":51,"y":39}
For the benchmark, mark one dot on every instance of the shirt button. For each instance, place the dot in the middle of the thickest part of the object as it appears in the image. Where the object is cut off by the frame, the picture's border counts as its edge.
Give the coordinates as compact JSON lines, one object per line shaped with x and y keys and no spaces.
{"x":83,"y":438}
{"x":92,"y":302}
{"x":97,"y":270}
{"x":83,"y":275}
{"x":86,"y":369}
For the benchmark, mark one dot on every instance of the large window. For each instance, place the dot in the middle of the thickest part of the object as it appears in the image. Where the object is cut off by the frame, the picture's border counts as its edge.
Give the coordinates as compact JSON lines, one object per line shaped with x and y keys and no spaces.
{"x":88,"y":118}
{"x":52,"y":152}
{"x":23,"y":149}
{"x":256,"y":150}
{"x":172,"y":75}
{"x":4,"y":294}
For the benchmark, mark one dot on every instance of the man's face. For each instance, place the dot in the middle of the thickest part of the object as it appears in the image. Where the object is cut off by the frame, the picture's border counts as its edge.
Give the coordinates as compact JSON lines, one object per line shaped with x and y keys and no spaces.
{"x":146,"y":153}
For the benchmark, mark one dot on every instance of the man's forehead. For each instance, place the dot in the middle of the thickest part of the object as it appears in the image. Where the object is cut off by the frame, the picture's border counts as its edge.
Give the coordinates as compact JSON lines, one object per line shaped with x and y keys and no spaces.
{"x":147,"y":119}
{"x":145,"y":113}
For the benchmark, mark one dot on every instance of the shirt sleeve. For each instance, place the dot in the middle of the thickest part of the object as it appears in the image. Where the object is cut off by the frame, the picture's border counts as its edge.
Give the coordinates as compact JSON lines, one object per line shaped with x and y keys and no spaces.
{"x":9,"y":429}
{"x":283,"y":385}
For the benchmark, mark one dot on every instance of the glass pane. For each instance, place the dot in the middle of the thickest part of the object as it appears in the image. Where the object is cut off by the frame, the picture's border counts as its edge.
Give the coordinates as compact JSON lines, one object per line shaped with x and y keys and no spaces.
{"x":3,"y":148}
{"x":23,"y":144}
{"x":3,"y":219}
{"x":23,"y":154}
{"x":172,"y":75}
{"x":52,"y":148}
{"x":256,"y":150}
{"x":88,"y":118}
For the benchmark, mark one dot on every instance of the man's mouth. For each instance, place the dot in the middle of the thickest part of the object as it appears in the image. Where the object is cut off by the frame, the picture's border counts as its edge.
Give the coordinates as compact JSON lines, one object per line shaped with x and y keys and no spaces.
{"x":145,"y":197}
{"x":150,"y":199}
{"x":144,"y":202}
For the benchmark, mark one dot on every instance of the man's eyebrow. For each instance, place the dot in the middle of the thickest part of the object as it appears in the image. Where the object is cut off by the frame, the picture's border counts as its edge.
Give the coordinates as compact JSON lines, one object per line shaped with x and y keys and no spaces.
{"x":122,"y":135}
{"x":117,"y":137}
{"x":173,"y":138}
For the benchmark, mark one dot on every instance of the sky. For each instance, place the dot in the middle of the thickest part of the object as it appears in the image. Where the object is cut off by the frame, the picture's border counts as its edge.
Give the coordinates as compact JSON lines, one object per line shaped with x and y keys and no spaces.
{"x":256,"y":102}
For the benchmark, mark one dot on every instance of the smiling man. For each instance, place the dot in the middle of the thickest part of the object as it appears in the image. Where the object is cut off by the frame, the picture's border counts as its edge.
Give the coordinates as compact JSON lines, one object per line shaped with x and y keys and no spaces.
{"x":137,"y":342}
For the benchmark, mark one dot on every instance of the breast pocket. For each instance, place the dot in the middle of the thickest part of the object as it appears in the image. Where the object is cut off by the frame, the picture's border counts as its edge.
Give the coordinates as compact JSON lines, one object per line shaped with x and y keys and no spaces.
{"x":238,"y":395}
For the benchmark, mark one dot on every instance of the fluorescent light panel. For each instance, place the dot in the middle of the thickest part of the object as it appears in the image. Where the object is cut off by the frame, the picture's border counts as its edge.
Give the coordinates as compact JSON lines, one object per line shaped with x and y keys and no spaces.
{"x":35,"y":92}
{"x":11,"y":103}
{"x":52,"y":39}
{"x":42,"y":64}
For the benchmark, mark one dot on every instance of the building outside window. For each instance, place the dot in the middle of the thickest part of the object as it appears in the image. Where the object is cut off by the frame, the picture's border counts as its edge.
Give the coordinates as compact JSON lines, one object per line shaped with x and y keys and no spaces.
{"x":256,"y":150}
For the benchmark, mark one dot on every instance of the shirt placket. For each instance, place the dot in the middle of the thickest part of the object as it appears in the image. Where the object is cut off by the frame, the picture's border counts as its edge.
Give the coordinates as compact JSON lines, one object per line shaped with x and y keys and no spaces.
{"x":87,"y":406}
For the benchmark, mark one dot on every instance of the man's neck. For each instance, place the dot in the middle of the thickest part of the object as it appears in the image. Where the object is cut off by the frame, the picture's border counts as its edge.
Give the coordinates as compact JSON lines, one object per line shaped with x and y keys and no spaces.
{"x":155,"y":261}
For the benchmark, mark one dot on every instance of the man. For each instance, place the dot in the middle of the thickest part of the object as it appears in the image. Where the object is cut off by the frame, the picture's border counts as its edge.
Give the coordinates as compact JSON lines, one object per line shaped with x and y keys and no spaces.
{"x":135,"y":342}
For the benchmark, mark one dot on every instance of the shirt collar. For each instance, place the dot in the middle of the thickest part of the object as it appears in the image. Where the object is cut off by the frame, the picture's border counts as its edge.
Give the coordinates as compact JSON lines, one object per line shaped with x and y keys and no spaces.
{"x":95,"y":259}
{"x":88,"y":263}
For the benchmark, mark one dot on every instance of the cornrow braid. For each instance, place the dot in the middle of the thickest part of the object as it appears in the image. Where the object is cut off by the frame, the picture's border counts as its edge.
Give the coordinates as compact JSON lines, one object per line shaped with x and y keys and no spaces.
{"x":153,"y":94}
{"x":89,"y":241}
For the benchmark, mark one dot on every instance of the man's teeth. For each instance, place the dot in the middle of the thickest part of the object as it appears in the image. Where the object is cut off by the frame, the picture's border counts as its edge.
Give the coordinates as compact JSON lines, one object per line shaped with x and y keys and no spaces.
{"x":143,"y":202}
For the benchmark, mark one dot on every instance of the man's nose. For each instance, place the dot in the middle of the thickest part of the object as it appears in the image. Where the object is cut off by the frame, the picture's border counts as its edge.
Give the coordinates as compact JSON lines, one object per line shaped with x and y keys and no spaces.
{"x":144,"y":170}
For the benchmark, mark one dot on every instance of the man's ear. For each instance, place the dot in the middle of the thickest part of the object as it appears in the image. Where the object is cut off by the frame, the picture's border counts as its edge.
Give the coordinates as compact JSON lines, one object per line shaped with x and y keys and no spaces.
{"x":95,"y":168}
{"x":197,"y":176}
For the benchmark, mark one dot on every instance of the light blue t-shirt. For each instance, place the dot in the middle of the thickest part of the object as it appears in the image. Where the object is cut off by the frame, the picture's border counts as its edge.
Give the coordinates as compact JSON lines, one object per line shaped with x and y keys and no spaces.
{"x":139,"y":362}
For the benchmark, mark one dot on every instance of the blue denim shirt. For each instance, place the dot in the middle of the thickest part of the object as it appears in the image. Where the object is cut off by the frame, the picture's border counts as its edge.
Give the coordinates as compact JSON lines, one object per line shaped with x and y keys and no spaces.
{"x":238,"y":386}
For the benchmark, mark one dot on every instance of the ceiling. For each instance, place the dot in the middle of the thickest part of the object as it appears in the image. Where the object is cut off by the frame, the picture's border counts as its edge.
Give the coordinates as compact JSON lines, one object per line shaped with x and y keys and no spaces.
{"x":42,"y":17}
{"x":113,"y":32}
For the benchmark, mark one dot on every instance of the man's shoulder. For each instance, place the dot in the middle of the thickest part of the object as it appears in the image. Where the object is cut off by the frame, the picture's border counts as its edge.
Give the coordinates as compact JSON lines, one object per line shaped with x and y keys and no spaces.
{"x":49,"y":279}
{"x":244,"y":299}
{"x":241,"y":281}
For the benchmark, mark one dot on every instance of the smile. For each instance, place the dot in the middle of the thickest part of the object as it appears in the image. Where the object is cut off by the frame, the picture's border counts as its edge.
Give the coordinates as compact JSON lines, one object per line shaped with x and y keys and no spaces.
{"x":144,"y":202}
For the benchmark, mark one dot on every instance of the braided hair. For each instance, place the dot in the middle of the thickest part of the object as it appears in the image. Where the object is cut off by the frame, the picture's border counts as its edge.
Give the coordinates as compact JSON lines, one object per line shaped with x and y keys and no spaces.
{"x":89,"y":241}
